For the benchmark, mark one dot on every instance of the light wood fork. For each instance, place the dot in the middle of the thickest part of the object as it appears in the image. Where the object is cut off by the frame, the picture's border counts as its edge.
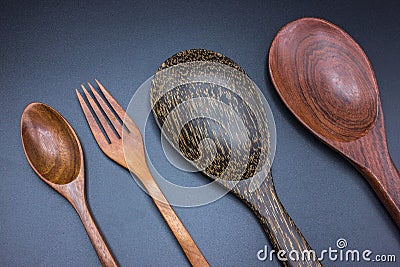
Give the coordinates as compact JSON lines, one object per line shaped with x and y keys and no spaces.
{"x":134,"y":158}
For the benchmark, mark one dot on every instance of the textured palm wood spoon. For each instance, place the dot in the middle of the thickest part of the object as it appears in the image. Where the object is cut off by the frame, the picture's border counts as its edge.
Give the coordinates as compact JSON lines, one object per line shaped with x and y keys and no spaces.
{"x":55,"y":154}
{"x":326,"y":80}
{"x":264,"y":202}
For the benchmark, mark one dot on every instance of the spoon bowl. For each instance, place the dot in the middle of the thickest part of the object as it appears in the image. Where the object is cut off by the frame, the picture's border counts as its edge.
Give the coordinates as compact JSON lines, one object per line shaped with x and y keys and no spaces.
{"x":53,"y":149}
{"x":325,"y":76}
{"x":54,"y":152}
{"x":326,"y":80}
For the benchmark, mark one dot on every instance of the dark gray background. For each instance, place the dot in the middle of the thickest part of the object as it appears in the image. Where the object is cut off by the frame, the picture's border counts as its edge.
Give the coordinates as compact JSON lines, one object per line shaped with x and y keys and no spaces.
{"x":48,"y":49}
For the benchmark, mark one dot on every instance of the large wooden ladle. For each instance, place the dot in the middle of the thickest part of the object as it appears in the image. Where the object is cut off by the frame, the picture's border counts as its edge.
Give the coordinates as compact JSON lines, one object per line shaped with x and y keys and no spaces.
{"x":53,"y":150}
{"x":327,"y":82}
{"x":196,"y":96}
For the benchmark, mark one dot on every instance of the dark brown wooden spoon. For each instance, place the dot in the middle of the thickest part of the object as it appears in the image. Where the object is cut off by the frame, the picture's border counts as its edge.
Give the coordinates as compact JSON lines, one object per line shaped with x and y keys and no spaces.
{"x":53,"y":150}
{"x":326,"y":80}
{"x":195,"y":110}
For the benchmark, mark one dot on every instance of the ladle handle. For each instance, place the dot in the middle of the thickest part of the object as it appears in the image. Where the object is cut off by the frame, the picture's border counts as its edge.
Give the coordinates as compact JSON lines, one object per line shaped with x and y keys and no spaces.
{"x":279,"y":227}
{"x":100,"y":246}
{"x":384,"y":178}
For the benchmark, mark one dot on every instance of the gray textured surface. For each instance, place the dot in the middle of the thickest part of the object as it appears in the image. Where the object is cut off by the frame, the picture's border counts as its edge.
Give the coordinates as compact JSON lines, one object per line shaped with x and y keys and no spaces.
{"x":47,"y":50}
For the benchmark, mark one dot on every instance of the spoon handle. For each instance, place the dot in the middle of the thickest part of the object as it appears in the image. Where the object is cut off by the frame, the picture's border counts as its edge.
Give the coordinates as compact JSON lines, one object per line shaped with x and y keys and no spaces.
{"x":279,"y":227}
{"x":192,"y":252}
{"x":383,"y":176}
{"x":100,"y":246}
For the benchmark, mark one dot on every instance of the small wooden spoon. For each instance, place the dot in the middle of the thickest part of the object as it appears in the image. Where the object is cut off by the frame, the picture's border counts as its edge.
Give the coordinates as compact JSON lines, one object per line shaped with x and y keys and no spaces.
{"x":53,"y":150}
{"x":326,"y":80}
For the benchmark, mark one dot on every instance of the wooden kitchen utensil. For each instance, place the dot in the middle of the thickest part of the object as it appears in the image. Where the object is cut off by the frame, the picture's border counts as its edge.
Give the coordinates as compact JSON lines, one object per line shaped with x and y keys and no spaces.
{"x":200,"y":95}
{"x":134,"y":159}
{"x":326,"y":80}
{"x":54,"y":152}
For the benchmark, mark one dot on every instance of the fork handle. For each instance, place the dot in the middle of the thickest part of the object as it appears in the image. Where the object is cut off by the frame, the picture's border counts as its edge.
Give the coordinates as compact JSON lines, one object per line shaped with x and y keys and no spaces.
{"x":192,"y":252}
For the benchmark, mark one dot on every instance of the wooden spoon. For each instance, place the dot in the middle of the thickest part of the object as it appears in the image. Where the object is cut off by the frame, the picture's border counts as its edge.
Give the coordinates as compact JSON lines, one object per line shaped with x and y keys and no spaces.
{"x":326,"y":80}
{"x":186,"y":135}
{"x":53,"y":150}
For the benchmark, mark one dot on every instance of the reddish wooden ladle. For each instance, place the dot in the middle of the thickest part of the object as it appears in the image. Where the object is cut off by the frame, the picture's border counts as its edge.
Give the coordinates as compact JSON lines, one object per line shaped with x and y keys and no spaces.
{"x":53,"y":150}
{"x":327,"y":82}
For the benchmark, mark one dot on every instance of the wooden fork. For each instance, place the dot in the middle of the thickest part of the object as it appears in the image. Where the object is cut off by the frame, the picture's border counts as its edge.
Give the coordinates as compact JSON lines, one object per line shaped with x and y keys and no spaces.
{"x":134,"y":158}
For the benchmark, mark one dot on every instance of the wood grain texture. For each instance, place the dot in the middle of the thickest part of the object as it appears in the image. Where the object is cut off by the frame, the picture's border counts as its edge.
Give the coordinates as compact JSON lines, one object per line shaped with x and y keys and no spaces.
{"x":130,"y":154}
{"x":264,"y":202}
{"x":327,"y":81}
{"x":198,"y":129}
{"x":53,"y":150}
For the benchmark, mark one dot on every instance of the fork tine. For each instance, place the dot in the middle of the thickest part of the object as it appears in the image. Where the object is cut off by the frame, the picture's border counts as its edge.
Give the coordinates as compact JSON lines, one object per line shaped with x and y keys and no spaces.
{"x":94,"y":127}
{"x":107,"y":128}
{"x":130,"y":125}
{"x":115,"y":122}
